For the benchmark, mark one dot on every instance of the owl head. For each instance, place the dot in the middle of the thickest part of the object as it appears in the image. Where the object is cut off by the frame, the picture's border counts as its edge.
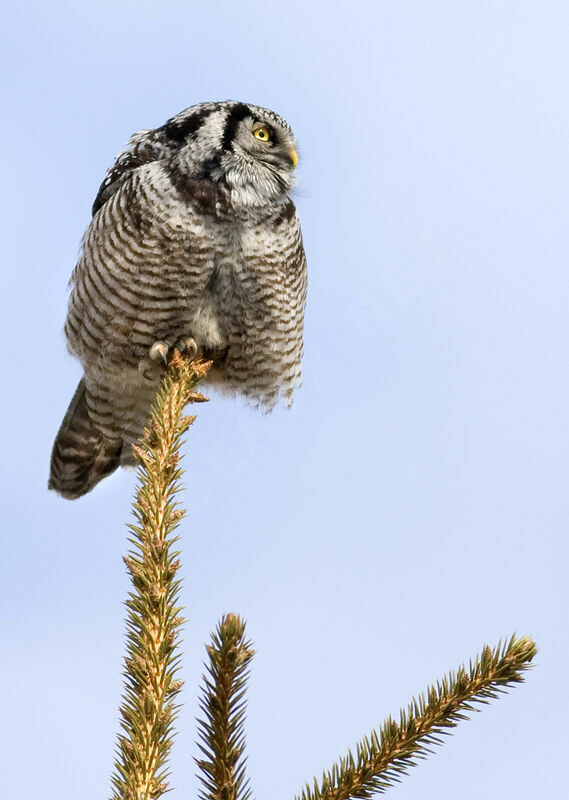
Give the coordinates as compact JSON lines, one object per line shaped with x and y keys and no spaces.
{"x":249,"y":149}
{"x":245,"y":150}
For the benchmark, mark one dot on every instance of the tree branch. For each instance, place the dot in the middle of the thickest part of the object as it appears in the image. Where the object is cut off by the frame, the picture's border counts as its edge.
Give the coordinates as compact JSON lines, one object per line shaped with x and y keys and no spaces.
{"x":148,"y":709}
{"x":223,"y":704}
{"x":382,"y":758}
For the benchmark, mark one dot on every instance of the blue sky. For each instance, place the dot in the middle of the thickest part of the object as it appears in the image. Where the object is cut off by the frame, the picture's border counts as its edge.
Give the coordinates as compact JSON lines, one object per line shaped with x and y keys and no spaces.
{"x":413,"y":504}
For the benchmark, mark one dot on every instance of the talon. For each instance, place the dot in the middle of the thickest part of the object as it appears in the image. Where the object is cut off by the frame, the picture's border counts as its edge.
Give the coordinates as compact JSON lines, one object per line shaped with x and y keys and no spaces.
{"x":147,"y":370}
{"x":159,"y":352}
{"x":187,"y":347}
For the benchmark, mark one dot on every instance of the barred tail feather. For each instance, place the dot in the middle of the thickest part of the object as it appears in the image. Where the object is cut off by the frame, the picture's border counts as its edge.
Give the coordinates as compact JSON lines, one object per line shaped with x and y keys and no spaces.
{"x":81,"y":456}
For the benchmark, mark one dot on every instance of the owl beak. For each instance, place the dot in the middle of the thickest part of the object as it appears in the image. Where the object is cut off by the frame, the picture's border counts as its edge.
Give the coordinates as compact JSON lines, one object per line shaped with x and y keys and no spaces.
{"x":293,"y":155}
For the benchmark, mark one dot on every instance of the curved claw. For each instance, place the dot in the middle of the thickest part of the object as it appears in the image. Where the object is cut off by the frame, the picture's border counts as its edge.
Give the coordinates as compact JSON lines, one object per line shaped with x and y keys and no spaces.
{"x":148,"y":370}
{"x":187,"y":347}
{"x":154,"y":364}
{"x":159,"y":352}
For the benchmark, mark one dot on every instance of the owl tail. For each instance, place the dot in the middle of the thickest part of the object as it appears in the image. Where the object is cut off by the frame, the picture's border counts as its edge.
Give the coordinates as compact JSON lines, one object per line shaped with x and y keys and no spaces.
{"x":81,"y":456}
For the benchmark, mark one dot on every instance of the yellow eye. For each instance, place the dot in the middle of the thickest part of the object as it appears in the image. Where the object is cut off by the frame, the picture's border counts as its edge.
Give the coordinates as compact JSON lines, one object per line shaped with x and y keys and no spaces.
{"x":263,"y":134}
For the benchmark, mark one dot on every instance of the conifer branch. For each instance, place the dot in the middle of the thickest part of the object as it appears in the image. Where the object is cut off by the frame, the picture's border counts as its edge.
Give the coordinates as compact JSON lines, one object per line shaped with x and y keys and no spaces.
{"x":223,"y":704}
{"x":153,"y":620}
{"x":382,"y":758}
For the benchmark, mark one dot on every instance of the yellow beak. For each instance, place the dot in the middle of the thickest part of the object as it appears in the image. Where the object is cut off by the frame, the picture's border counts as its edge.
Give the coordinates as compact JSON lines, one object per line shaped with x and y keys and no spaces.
{"x":293,"y":157}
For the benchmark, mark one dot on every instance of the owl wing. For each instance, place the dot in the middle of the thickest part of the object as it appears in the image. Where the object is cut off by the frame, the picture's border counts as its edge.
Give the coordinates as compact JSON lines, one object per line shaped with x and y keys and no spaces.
{"x":142,"y":268}
{"x":143,"y":147}
{"x":140,"y":273}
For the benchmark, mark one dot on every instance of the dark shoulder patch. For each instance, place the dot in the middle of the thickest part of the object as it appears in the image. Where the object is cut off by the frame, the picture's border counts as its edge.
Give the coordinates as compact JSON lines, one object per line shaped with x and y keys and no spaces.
{"x":238,"y":113}
{"x":203,"y":194}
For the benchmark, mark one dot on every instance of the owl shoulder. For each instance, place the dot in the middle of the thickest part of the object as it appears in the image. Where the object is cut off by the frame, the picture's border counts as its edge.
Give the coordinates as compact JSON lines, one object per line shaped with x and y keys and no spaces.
{"x":143,"y":147}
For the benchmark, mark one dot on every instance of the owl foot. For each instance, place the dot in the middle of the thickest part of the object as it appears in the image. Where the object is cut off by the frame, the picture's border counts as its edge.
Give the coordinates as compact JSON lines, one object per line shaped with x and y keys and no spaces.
{"x":152,"y":366}
{"x":187,"y":347}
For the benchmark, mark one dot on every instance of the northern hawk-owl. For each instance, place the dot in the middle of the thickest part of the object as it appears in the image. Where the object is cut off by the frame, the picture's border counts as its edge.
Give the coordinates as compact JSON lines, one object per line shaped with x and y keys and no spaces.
{"x":194,"y":241}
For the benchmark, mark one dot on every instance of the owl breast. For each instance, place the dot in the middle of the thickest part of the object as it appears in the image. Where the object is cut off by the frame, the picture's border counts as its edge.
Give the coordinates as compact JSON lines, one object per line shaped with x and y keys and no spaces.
{"x":159,"y":263}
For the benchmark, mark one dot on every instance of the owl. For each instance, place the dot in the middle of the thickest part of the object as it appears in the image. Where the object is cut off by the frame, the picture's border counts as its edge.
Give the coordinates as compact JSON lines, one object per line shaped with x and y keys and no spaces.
{"x":194,"y":243}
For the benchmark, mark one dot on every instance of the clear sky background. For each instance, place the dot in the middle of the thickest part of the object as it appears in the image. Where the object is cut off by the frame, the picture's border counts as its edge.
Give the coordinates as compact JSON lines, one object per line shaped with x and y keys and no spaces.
{"x":413,"y":505}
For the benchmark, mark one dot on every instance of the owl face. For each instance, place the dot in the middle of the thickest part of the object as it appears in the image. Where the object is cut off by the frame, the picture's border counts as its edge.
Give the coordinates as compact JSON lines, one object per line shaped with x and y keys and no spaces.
{"x":249,"y":149}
